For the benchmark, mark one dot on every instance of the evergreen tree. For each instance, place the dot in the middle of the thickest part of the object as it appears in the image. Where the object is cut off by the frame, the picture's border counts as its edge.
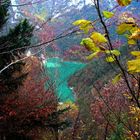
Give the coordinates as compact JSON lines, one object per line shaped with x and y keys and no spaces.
{"x":13,"y":46}
{"x":10,"y":44}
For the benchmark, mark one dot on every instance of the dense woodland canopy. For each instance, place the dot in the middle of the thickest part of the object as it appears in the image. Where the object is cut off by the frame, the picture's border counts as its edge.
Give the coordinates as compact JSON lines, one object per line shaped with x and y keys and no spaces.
{"x":69,"y":69}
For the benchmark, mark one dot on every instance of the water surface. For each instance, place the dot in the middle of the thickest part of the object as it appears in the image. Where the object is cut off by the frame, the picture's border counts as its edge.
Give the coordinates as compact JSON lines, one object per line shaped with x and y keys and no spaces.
{"x":60,"y":71}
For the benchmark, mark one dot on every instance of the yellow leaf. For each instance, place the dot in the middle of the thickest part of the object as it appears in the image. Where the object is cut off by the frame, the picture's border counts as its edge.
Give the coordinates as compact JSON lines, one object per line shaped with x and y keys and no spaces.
{"x":110,"y":59}
{"x":83,"y":24}
{"x":89,"y":44}
{"x":122,"y":28}
{"x":131,"y":42}
{"x":131,"y":19}
{"x":116,"y":79}
{"x":91,"y":56}
{"x":115,"y":52}
{"x":134,"y":66}
{"x":136,"y":53}
{"x":98,"y":37}
{"x":135,"y":34}
{"x":108,"y":14}
{"x":86,"y":28}
{"x":134,"y":29}
{"x":124,"y":2}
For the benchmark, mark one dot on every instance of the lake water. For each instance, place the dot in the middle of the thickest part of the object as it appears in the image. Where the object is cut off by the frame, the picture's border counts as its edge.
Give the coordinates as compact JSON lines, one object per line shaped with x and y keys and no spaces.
{"x":60,"y":71}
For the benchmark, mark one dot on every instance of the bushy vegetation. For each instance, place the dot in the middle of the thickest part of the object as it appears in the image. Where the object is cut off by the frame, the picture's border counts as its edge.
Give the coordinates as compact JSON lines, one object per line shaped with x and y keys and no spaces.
{"x":104,"y":36}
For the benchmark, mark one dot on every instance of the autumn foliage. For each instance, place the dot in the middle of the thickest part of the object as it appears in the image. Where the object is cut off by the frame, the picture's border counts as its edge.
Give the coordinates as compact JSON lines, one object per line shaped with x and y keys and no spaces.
{"x":108,"y":107}
{"x":113,"y":107}
{"x":27,"y":109}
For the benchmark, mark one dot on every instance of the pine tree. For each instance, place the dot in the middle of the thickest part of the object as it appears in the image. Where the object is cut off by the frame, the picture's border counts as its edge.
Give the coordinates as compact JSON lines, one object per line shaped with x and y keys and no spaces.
{"x":10,"y":44}
{"x":13,"y":46}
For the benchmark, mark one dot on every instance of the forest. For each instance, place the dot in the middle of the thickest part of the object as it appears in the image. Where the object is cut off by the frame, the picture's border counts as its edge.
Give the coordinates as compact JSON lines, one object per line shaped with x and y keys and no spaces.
{"x":69,"y":69}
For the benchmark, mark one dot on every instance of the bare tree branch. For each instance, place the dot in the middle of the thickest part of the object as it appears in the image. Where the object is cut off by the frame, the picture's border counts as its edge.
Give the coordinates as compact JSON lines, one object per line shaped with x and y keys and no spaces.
{"x":16,"y":61}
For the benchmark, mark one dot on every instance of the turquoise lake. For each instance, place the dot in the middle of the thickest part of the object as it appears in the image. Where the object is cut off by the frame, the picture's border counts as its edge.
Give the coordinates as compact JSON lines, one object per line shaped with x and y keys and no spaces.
{"x":60,"y":71}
